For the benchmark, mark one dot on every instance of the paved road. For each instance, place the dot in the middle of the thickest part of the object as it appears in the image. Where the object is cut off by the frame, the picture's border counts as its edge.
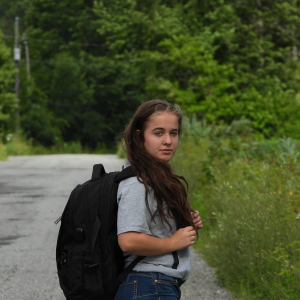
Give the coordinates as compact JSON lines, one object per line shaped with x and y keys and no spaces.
{"x":33,"y":193}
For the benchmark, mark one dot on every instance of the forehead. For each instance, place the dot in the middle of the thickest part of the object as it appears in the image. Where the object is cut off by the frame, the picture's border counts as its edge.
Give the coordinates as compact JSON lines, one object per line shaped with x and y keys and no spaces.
{"x":164,"y":119}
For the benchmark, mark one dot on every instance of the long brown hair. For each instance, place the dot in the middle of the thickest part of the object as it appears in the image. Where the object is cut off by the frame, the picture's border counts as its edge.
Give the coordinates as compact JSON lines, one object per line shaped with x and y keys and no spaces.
{"x":156,"y":173}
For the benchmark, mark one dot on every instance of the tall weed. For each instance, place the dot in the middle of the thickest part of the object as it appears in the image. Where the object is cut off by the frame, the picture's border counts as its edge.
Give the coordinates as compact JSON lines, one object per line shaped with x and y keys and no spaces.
{"x":252,"y":211}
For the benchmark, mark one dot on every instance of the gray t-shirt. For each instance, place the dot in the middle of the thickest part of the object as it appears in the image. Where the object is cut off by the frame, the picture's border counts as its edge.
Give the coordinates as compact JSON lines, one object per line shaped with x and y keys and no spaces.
{"x":133,"y":215}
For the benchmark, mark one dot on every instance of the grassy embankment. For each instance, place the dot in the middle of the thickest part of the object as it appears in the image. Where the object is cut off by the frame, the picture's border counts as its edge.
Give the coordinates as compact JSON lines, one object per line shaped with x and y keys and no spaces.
{"x":247,"y":192}
{"x":21,"y":146}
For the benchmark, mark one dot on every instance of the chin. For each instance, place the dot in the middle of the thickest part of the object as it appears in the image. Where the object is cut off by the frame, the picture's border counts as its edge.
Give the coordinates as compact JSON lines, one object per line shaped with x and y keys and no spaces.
{"x":167,"y":159}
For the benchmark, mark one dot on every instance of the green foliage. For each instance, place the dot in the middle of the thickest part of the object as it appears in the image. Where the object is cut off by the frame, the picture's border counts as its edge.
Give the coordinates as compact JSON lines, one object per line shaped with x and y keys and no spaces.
{"x":289,"y":147}
{"x":94,"y":62}
{"x":9,"y":10}
{"x":252,"y":211}
{"x":64,"y":26}
{"x":18,"y":145}
{"x":193,"y":79}
{"x":7,"y":71}
{"x":221,"y":61}
{"x":3,"y":154}
{"x":132,"y":26}
{"x":247,"y":192}
{"x":89,"y":95}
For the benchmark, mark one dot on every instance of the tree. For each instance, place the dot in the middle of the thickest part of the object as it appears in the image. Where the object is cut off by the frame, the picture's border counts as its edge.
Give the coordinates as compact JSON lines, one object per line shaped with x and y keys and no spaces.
{"x":8,"y":100}
{"x":234,"y":60}
{"x":94,"y":93}
{"x":221,"y":60}
{"x":8,"y":11}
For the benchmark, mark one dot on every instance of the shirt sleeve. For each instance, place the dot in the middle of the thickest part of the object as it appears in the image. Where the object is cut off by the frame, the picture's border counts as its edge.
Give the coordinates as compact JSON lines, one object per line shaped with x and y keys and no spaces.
{"x":133,"y":214}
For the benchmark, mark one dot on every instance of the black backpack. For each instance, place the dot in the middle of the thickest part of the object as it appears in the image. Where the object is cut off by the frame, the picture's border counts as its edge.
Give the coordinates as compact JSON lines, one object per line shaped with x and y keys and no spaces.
{"x":89,"y":259}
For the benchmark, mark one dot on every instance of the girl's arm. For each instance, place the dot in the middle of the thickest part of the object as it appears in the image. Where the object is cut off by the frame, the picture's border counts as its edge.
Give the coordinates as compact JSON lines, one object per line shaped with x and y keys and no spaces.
{"x":142,"y":244}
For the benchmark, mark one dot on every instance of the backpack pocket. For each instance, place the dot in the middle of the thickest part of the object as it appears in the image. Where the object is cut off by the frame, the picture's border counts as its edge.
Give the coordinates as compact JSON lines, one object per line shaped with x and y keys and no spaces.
{"x":63,"y":279}
{"x":93,"y":280}
{"x":80,"y":278}
{"x":110,"y":268}
{"x":70,"y":274}
{"x":62,"y":273}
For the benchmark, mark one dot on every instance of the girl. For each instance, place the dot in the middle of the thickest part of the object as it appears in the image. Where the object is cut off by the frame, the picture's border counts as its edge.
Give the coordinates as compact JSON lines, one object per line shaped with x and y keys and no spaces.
{"x":152,"y":206}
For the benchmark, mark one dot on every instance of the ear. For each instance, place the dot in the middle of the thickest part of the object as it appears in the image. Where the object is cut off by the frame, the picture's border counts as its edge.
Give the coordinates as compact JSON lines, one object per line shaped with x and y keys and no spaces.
{"x":138,"y":132}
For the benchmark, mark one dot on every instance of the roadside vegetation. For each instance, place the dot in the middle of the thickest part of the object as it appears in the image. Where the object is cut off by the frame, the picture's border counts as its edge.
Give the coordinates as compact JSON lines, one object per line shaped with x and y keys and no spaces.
{"x":247,"y":191}
{"x":21,"y":146}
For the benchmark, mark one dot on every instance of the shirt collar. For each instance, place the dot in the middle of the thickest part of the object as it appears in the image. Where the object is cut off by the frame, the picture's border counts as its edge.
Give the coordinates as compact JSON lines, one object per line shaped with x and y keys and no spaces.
{"x":126,"y":165}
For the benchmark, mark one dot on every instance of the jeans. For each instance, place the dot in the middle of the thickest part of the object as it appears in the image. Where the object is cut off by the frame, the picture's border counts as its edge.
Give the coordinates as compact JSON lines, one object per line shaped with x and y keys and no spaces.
{"x":149,"y":286}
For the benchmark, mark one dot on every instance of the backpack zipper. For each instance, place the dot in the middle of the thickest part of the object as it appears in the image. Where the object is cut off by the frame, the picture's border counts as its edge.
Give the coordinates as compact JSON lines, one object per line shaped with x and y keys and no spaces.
{"x":63,"y":258}
{"x":57,"y":221}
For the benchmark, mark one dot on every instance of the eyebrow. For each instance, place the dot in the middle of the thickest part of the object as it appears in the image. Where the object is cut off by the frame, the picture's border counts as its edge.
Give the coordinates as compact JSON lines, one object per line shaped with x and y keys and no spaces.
{"x":160,"y":128}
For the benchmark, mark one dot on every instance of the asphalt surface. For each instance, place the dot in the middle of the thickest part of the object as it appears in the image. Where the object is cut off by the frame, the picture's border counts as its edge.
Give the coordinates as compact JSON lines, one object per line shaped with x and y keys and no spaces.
{"x":33,"y":194}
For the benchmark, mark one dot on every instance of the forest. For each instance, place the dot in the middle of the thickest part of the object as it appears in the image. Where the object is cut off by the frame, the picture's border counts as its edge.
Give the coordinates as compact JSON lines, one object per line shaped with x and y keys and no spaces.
{"x":232,"y":66}
{"x":93,"y":62}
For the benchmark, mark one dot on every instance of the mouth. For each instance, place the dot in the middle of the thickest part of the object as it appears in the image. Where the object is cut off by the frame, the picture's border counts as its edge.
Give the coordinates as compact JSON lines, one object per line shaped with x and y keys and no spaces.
{"x":166,"y":151}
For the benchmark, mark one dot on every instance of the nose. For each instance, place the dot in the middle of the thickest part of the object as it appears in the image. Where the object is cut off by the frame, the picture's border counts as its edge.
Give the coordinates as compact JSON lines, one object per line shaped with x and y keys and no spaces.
{"x":167,"y":139}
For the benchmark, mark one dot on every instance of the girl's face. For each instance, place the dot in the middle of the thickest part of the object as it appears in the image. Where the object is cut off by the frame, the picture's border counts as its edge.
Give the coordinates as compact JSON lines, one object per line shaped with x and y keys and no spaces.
{"x":161,"y":135}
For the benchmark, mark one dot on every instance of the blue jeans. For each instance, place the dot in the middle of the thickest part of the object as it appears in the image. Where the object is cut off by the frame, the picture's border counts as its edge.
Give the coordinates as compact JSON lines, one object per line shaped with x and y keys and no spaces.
{"x":149,"y":286}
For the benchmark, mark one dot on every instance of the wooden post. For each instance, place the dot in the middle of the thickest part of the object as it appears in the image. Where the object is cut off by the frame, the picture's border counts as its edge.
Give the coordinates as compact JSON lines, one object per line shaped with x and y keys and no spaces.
{"x":17,"y":57}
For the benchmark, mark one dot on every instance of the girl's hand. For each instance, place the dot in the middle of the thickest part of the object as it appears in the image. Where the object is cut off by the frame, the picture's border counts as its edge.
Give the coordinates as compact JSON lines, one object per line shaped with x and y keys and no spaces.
{"x":197,"y":219}
{"x":183,"y":238}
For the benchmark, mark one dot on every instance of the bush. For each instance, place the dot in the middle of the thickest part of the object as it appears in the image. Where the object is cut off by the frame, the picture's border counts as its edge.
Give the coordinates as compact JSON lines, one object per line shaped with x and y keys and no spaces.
{"x":247,"y":192}
{"x":18,"y":145}
{"x":253,"y":213}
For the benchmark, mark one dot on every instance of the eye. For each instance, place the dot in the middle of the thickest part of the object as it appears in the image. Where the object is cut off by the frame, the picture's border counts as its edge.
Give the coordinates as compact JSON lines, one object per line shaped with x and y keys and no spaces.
{"x":174,"y":133}
{"x":158,"y":133}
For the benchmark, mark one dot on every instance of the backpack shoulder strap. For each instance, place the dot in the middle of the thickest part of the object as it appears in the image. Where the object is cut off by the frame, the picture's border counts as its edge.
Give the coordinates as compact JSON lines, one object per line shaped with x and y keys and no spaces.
{"x":125,"y":174}
{"x":128,"y":269}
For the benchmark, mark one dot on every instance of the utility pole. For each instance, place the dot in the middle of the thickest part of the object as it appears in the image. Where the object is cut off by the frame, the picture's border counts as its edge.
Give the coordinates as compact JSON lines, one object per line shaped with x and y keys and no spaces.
{"x":17,"y":58}
{"x":27,"y":60}
{"x":24,"y":38}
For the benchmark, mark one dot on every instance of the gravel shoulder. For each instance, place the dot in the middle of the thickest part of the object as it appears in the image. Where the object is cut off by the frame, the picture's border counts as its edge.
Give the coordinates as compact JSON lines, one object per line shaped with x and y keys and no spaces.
{"x":202,"y":282}
{"x":33,"y":194}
